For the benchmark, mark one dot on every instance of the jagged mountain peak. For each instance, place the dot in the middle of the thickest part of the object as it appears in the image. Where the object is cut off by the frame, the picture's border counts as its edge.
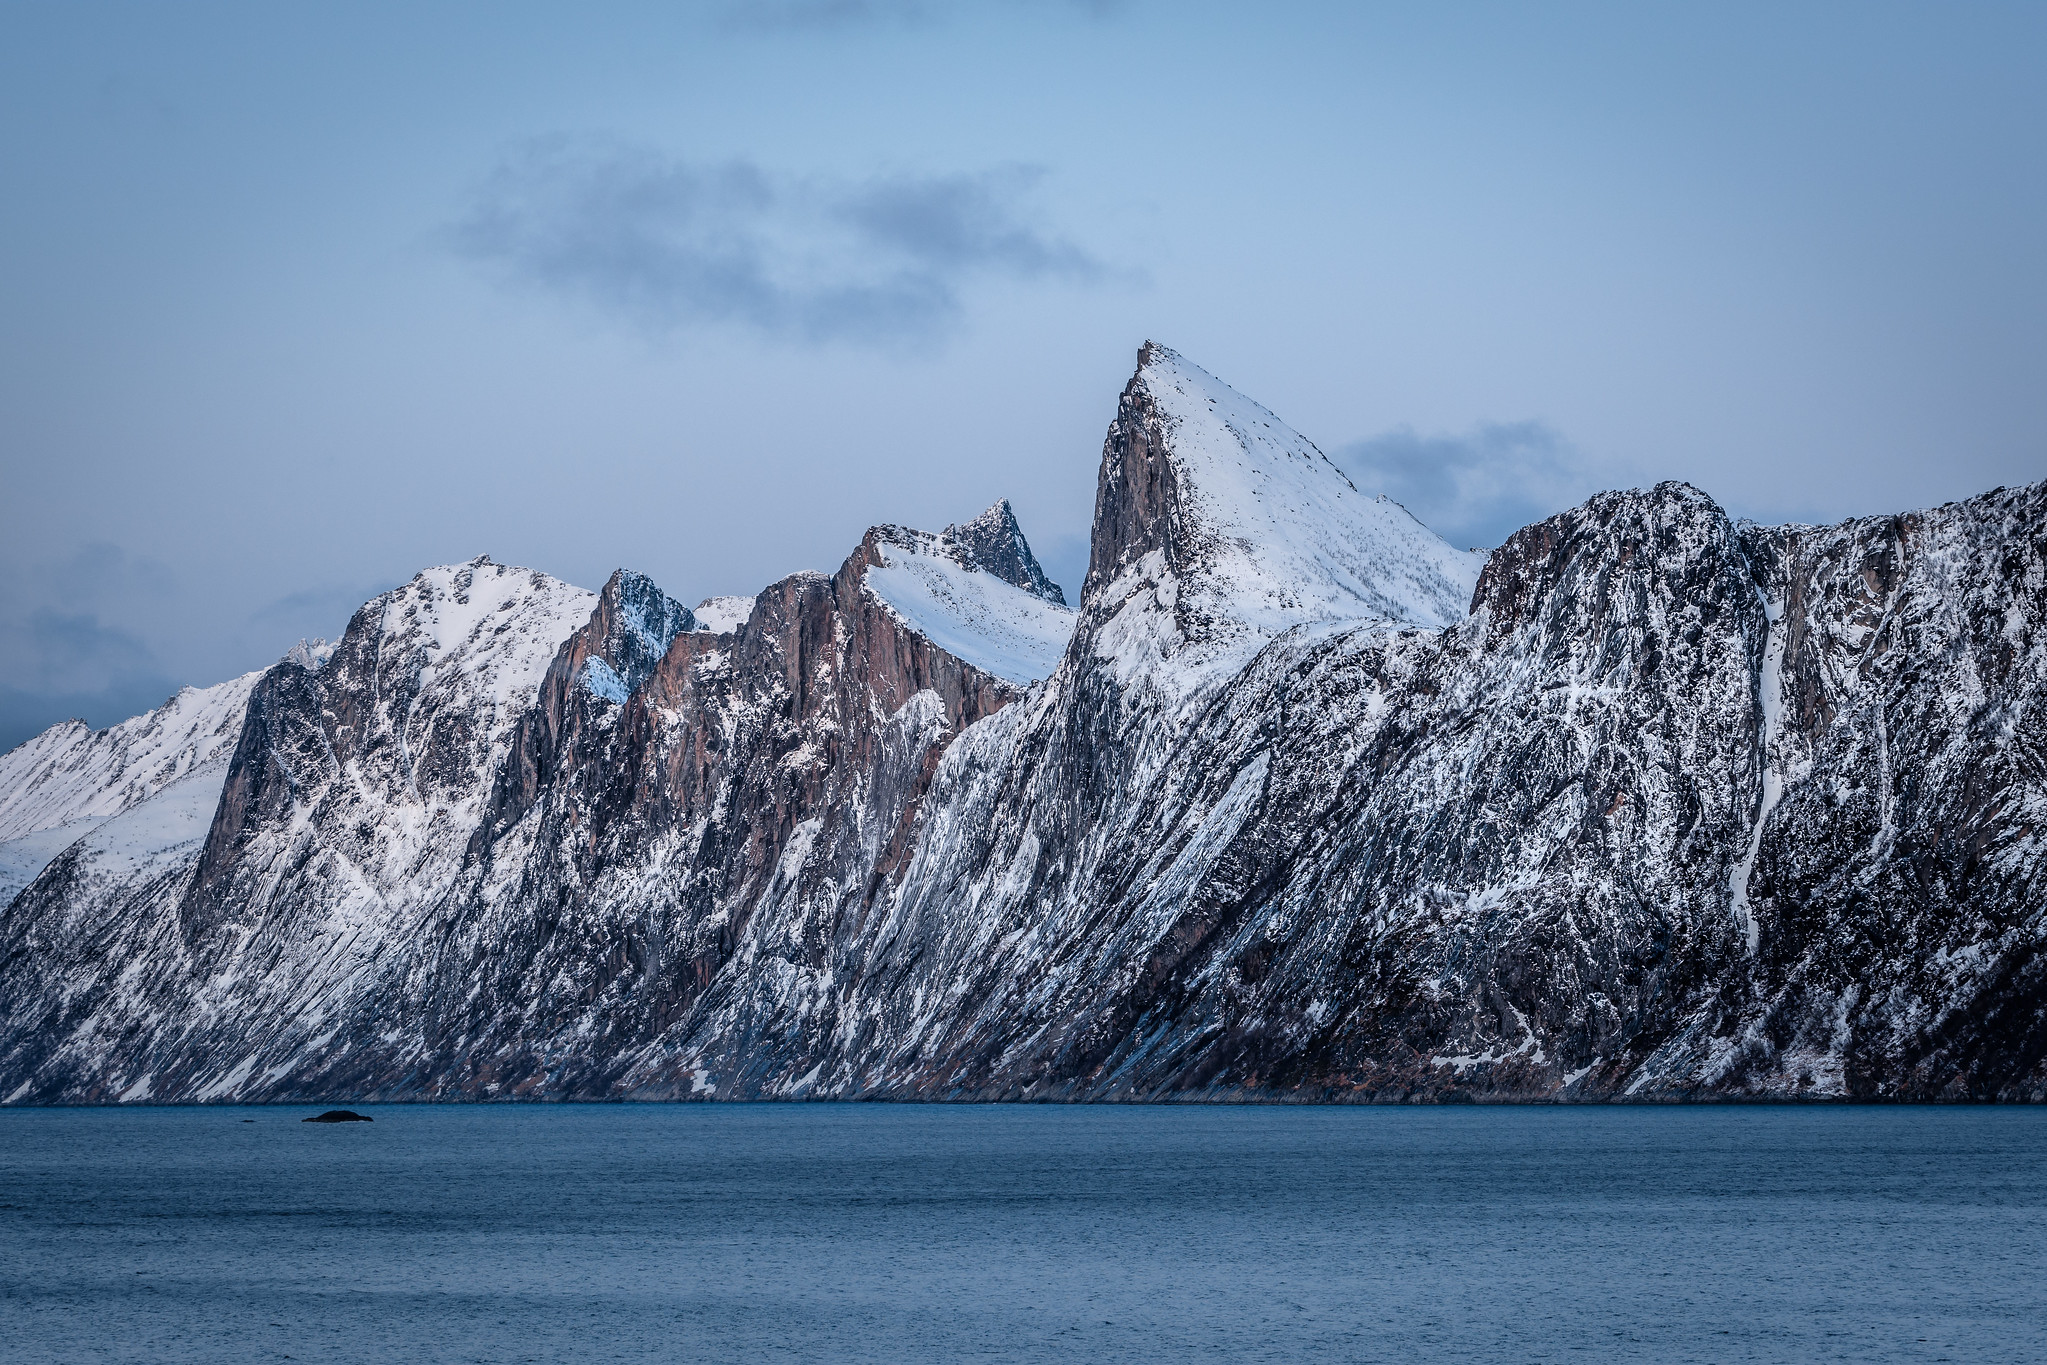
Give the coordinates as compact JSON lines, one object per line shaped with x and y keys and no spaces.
{"x":1212,"y":512}
{"x":309,"y":654}
{"x":480,"y":610}
{"x":1671,"y":519}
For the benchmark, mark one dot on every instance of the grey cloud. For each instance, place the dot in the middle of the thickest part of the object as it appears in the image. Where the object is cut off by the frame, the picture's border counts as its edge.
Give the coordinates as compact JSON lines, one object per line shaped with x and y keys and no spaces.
{"x":1477,"y":488}
{"x":671,"y":244}
{"x":47,"y":649}
{"x":963,"y":222}
{"x":60,"y":619}
{"x":64,"y":650}
{"x":64,"y":661}
{"x":100,"y":574}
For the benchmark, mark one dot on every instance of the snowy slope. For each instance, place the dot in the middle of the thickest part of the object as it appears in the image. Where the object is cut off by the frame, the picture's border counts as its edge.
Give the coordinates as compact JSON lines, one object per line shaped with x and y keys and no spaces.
{"x":251,"y":898}
{"x":436,"y":675}
{"x":171,"y":824}
{"x":495,"y":624}
{"x":480,"y":631}
{"x":995,"y":626}
{"x":23,"y":860}
{"x":1293,"y":540}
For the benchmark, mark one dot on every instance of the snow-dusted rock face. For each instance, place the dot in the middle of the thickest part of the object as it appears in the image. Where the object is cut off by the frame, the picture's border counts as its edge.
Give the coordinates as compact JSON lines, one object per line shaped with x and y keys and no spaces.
{"x":635,"y":620}
{"x":1300,"y":804}
{"x":994,"y":543}
{"x":1218,"y":529}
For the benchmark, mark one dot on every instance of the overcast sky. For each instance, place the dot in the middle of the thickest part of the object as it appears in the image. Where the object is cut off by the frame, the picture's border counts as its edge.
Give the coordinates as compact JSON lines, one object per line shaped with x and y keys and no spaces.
{"x":297,"y":300}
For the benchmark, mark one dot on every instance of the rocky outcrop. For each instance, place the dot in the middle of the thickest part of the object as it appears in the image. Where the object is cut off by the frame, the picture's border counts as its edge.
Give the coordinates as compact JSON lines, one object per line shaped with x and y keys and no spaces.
{"x":1301,"y":804}
{"x":746,"y":771}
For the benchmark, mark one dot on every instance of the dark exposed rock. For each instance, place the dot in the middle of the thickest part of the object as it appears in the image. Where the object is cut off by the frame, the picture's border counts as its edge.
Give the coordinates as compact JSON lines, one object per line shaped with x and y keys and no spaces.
{"x":333,"y":1116}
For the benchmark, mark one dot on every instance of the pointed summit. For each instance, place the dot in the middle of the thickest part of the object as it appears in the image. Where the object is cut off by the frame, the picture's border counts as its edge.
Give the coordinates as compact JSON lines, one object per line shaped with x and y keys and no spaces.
{"x":1240,"y":529}
{"x":995,"y":544}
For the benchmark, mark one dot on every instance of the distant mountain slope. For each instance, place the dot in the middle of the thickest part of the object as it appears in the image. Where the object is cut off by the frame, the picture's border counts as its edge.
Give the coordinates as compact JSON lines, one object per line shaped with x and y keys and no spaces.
{"x":70,"y":772}
{"x":1299,"y":804}
{"x":61,"y":784}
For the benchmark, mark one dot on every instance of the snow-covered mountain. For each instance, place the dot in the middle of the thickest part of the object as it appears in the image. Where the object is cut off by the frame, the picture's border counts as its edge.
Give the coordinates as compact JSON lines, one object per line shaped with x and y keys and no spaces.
{"x":1298,"y":802}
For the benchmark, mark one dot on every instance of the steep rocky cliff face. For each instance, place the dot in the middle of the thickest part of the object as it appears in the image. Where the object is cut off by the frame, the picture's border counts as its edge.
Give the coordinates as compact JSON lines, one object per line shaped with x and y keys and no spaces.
{"x":1301,"y":804}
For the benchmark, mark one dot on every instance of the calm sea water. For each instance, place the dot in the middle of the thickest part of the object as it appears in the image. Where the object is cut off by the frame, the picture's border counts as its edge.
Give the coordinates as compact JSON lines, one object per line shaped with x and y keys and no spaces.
{"x":868,"y":1232}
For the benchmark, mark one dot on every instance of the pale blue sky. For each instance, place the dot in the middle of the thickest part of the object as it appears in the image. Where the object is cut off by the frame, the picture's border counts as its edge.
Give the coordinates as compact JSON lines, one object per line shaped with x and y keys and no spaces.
{"x":295,"y":301}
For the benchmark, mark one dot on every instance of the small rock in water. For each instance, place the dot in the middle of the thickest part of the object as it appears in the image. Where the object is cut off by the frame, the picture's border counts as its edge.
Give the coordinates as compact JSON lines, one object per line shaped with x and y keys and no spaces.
{"x":337,"y":1116}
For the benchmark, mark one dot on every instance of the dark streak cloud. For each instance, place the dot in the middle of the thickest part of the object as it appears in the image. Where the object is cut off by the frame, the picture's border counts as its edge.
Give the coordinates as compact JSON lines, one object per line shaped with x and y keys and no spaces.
{"x":778,"y":16}
{"x":61,"y":657}
{"x":55,"y":631}
{"x":771,"y":16}
{"x":670,"y":244}
{"x":962,"y":222}
{"x":67,"y":646}
{"x":1474,"y":489}
{"x":72,"y":646}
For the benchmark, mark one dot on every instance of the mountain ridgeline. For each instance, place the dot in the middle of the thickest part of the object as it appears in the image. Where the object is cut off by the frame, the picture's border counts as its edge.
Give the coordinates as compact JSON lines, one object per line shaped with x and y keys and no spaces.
{"x":1295,"y":803}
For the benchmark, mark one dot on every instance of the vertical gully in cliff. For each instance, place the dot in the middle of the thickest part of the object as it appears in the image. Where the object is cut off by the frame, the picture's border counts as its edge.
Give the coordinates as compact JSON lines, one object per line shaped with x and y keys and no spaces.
{"x":1770,"y":689}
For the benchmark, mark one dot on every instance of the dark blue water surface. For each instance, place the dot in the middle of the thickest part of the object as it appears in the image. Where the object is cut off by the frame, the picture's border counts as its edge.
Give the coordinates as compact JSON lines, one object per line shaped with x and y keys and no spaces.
{"x":867,"y":1232}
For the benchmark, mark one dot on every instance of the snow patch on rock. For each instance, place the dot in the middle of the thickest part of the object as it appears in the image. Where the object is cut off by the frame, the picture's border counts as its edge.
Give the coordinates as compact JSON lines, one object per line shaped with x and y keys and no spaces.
{"x":723,"y":615}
